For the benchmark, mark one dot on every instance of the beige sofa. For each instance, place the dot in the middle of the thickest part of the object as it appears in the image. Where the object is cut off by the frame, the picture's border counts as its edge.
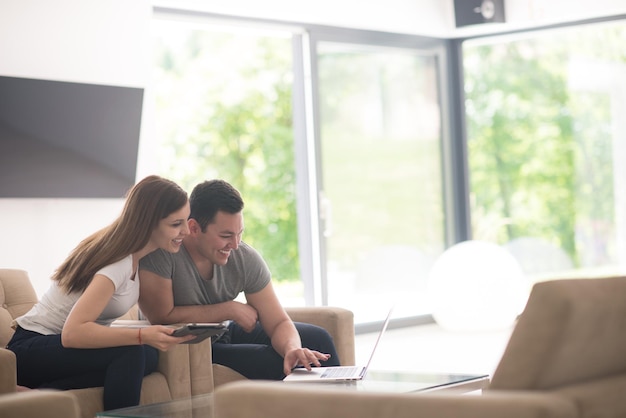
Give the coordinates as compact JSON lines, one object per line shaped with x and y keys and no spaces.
{"x":183,"y":371}
{"x":566,"y":358}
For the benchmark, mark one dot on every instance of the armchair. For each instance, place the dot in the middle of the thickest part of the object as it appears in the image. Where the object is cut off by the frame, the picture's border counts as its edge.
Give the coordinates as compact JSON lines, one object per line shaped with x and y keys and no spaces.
{"x":183,"y":371}
{"x":565,"y":358}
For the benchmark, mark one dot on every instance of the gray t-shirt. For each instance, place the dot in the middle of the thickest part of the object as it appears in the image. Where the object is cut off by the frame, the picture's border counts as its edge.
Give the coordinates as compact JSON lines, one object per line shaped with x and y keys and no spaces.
{"x":245,"y":271}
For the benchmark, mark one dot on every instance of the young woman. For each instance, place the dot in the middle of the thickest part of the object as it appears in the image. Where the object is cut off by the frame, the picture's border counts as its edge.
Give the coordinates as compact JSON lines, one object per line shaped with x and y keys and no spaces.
{"x":65,"y":341}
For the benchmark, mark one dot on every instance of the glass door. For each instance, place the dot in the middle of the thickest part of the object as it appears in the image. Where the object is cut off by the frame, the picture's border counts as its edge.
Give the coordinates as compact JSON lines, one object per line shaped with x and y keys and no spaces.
{"x":546,"y":148}
{"x":381,"y":203}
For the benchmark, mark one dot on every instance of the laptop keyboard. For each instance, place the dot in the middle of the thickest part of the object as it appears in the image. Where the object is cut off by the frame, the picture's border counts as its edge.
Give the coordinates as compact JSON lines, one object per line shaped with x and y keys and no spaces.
{"x":340,"y":372}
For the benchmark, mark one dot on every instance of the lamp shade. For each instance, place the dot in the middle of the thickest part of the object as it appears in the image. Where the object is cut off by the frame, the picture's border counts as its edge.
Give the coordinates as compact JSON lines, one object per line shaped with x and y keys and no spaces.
{"x":476,"y":285}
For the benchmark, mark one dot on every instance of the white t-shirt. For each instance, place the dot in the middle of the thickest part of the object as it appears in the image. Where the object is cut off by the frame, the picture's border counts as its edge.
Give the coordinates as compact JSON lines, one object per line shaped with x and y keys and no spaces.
{"x":49,"y":314}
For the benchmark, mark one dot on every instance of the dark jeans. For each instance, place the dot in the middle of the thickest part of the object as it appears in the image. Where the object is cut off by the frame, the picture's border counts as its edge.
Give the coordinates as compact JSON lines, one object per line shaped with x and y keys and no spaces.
{"x":252,"y":355}
{"x":43,"y":362}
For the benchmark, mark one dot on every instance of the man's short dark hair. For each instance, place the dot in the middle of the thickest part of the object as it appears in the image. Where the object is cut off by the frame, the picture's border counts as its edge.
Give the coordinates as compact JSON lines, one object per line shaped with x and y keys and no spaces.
{"x":212,"y":196}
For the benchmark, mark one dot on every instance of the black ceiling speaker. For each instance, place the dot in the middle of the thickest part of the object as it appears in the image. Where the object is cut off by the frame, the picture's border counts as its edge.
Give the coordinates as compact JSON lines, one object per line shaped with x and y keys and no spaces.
{"x":473,"y":12}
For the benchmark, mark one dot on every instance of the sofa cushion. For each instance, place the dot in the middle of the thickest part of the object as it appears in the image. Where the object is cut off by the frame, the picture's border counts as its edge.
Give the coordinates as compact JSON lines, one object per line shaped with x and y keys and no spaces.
{"x":281,"y":400}
{"x":599,"y":398}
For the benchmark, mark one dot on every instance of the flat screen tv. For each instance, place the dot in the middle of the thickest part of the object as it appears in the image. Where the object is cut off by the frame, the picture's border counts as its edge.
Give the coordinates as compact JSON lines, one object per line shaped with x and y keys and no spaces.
{"x":67,"y":140}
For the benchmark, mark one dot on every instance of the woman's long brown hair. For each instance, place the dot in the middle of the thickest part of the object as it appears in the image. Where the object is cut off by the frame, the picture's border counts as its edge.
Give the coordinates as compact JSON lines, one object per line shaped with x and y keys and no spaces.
{"x":149,"y":201}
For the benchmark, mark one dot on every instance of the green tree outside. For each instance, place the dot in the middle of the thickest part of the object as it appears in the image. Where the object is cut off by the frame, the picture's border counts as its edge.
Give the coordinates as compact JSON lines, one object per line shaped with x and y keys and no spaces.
{"x":224,"y":114}
{"x":540,"y":147}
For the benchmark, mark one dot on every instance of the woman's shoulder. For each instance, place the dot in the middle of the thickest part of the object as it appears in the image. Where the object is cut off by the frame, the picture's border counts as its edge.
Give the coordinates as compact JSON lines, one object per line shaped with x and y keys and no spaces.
{"x":121,"y":266}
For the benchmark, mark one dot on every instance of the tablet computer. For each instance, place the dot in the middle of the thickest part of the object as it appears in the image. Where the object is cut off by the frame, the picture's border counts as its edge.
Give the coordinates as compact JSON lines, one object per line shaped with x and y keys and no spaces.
{"x":202,"y":330}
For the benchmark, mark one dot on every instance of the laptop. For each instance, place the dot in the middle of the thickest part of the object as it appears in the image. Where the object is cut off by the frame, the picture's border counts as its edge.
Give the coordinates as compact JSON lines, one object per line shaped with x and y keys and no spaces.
{"x":337,"y":373}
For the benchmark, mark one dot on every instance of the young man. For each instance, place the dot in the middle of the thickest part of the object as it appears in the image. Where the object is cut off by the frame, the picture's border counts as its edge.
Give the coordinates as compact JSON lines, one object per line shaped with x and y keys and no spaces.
{"x":200,"y":284}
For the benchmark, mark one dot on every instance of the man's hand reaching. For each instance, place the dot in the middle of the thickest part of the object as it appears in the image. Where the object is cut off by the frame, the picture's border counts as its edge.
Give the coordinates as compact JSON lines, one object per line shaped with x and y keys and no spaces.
{"x":303,"y":357}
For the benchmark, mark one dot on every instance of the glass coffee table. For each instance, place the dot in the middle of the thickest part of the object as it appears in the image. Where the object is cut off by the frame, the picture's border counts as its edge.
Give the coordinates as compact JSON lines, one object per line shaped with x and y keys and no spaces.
{"x":406,"y":382}
{"x":201,"y":406}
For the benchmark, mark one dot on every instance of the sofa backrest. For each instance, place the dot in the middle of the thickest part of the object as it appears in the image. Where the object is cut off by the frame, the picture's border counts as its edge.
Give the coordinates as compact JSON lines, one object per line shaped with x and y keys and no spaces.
{"x":571,"y":331}
{"x":17,"y":296}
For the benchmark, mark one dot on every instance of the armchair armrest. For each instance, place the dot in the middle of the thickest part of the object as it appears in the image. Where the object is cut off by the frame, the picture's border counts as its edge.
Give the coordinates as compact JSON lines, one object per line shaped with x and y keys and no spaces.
{"x":281,"y":400}
{"x":188,"y":369}
{"x":339,"y":323}
{"x":8,"y":371}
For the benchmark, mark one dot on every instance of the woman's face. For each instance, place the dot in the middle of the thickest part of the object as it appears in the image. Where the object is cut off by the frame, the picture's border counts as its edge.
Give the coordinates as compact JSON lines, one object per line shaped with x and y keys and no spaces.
{"x":169,"y":234}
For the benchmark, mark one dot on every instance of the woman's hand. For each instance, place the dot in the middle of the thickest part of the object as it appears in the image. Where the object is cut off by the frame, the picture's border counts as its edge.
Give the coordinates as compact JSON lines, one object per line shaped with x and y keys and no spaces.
{"x":159,"y":337}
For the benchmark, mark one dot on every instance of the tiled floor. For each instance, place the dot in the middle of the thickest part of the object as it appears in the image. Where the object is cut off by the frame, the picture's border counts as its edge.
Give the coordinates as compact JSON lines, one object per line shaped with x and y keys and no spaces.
{"x":429,"y":348}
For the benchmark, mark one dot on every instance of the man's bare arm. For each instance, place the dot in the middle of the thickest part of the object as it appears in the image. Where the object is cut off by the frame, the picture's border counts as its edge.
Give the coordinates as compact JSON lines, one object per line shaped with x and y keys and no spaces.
{"x":282,"y":331}
{"x":275,"y":321}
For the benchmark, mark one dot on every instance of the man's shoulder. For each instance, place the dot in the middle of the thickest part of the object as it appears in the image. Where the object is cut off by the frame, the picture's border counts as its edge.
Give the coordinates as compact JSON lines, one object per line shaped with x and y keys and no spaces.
{"x":160,"y":254}
{"x":246,"y":254}
{"x":246,"y":248}
{"x":248,"y":261}
{"x":161,"y":262}
{"x":155,"y":256}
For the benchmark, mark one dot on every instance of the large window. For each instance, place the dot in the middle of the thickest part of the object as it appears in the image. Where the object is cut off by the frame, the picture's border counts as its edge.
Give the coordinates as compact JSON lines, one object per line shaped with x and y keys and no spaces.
{"x":546,"y":147}
{"x":382,"y":185}
{"x":221,"y":107}
{"x":232,"y":102}
{"x":339,"y":141}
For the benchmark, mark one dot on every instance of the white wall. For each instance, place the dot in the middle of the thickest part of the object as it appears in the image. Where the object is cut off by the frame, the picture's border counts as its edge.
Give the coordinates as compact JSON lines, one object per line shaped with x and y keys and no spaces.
{"x":532,"y":13}
{"x":39,"y":233}
{"x":419,"y":17}
{"x":91,"y":41}
{"x":404,"y":16}
{"x":557,"y":10}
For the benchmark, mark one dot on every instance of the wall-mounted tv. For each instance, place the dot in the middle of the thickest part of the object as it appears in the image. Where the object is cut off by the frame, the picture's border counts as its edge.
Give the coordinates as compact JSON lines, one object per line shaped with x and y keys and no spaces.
{"x":66,"y":140}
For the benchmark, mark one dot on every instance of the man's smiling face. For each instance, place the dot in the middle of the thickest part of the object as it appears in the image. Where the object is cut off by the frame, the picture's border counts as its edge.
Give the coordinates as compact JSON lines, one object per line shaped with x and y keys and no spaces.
{"x":221,"y":237}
